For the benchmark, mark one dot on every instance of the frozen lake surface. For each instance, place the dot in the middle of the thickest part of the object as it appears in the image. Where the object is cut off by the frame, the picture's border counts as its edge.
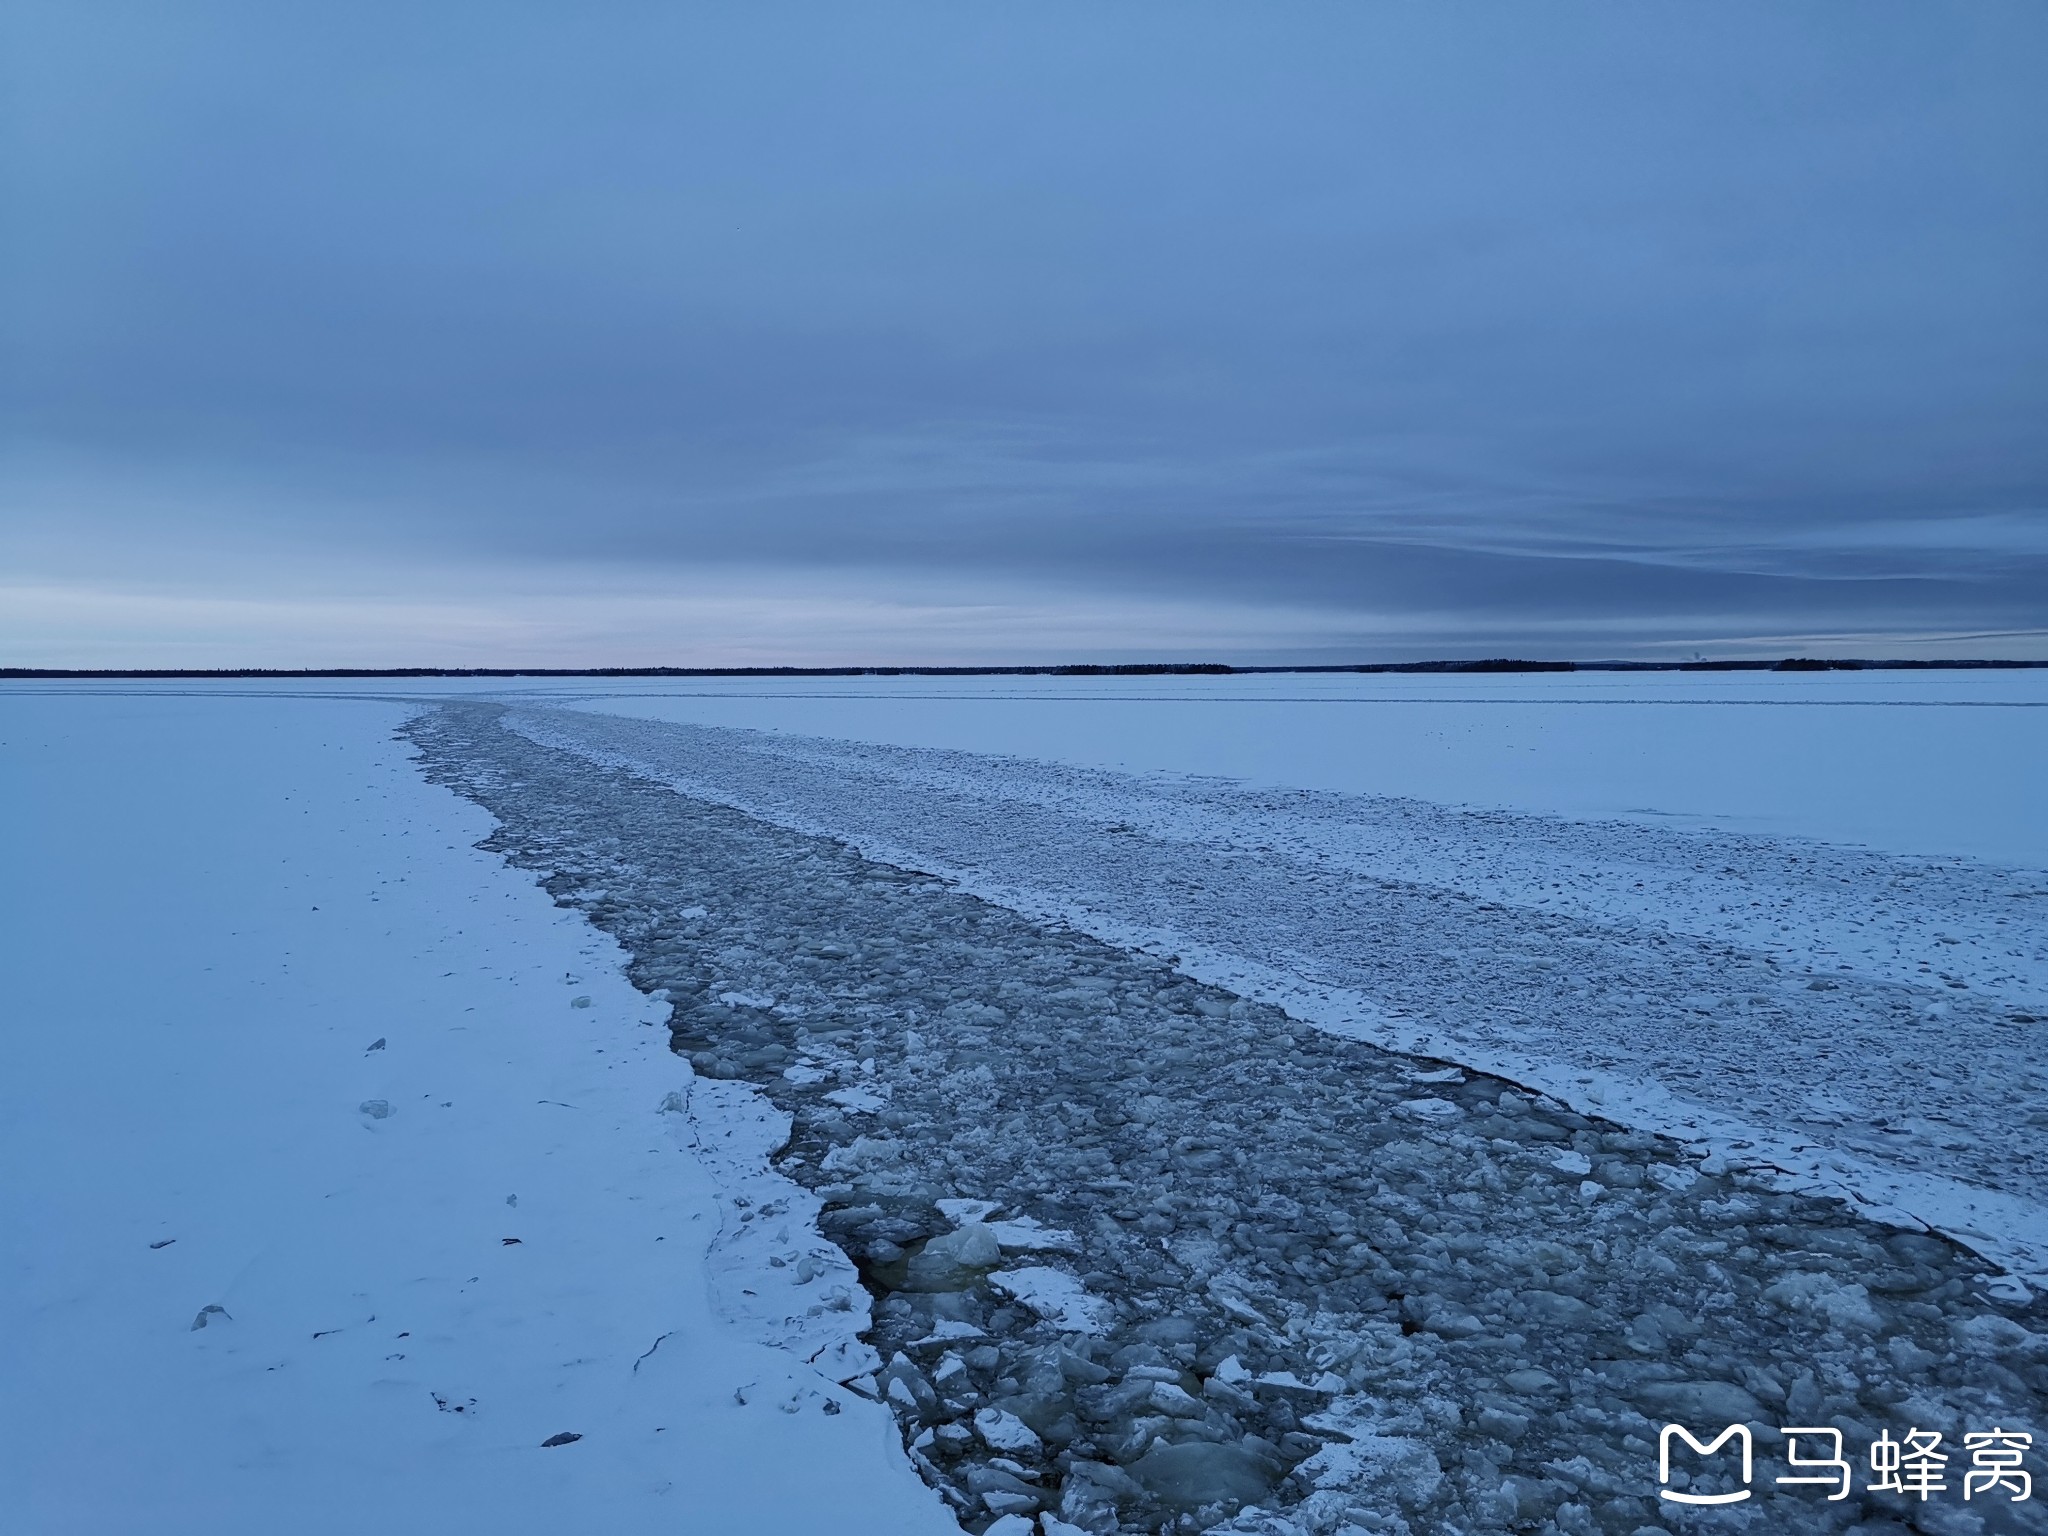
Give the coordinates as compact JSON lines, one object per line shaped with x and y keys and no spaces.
{"x":1906,"y":762}
{"x":1275,"y":1104}
{"x":280,"y":1042}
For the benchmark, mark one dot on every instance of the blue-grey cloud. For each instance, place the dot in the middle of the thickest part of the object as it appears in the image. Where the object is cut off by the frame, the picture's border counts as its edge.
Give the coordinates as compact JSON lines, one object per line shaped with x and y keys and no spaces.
{"x":1661,"y":320}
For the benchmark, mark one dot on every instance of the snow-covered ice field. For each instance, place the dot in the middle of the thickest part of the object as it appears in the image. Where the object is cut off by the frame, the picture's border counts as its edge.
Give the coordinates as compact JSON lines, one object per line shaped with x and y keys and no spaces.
{"x":1905,"y":762}
{"x":232,"y":923}
{"x":1341,"y":1096}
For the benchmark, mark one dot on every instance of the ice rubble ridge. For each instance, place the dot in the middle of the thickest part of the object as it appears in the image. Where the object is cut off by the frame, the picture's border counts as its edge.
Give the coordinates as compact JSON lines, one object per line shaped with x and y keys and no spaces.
{"x":1147,"y":1257}
{"x":1664,"y":970}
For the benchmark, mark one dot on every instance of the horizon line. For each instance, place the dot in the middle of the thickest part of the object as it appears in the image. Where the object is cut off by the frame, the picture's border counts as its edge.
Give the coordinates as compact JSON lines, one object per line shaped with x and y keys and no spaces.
{"x":1072,"y":669}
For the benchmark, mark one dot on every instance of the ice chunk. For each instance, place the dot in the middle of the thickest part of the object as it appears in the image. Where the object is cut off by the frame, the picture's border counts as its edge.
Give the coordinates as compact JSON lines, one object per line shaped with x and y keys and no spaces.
{"x":1435,"y":1110}
{"x":960,"y":1212}
{"x":1093,"y":1491}
{"x":864,"y":1152}
{"x":1287,"y":1381}
{"x":955,"y":1260}
{"x":973,"y":1246}
{"x":1994,"y":1335}
{"x":953,"y":1439}
{"x":907,"y":1386}
{"x":1174,"y":1401}
{"x":1557,"y":1309}
{"x":860,"y":1100}
{"x":1026,"y":1234}
{"x":1406,"y":1469}
{"x":1841,"y":1306}
{"x":1055,"y":1296}
{"x":375,"y":1109}
{"x":1196,"y":1473}
{"x":1002,"y":1431}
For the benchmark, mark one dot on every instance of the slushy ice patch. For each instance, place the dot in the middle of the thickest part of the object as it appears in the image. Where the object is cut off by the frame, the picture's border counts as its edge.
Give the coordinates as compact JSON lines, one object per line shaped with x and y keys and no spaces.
{"x":1146,"y":1257}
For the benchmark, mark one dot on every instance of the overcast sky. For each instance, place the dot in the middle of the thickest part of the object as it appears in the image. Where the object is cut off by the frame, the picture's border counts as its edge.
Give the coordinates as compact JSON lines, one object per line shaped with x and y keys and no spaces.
{"x":1010,"y":332}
